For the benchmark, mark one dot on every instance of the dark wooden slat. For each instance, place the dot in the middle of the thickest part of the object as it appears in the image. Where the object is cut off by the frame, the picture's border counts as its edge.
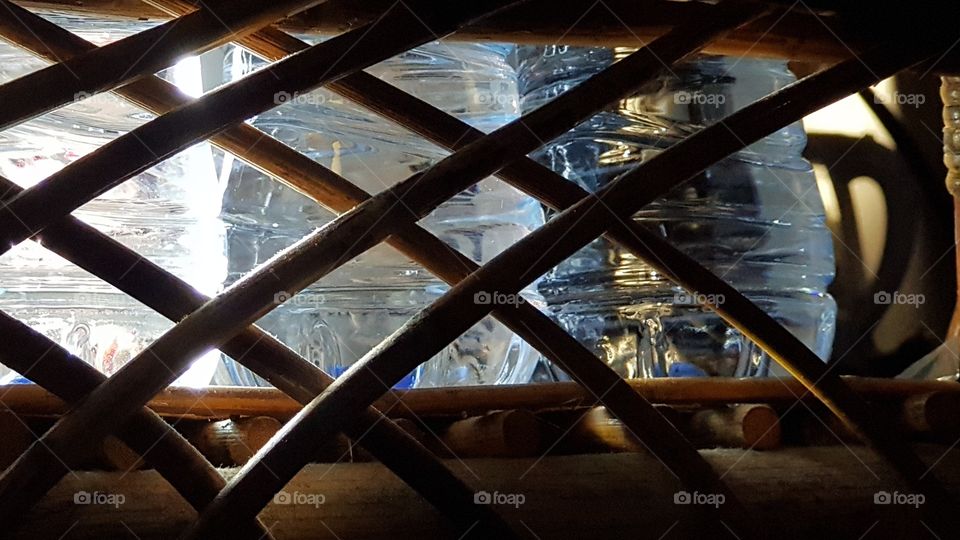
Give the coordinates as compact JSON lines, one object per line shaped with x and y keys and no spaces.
{"x":536,"y":180}
{"x":458,"y":501}
{"x":447,"y":318}
{"x":535,"y":327}
{"x":617,"y":390}
{"x":81,"y":181}
{"x":166,"y":356}
{"x":144,"y":53}
{"x":182,"y":465}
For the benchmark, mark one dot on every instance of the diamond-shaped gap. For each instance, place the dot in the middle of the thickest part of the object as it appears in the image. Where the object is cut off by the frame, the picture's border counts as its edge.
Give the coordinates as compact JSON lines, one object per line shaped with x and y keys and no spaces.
{"x":168,"y":214}
{"x":93,"y":320}
{"x":347,"y":313}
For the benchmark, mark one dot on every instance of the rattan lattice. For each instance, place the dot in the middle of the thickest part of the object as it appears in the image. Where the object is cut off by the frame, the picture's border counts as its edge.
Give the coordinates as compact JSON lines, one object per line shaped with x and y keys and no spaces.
{"x":115,"y":405}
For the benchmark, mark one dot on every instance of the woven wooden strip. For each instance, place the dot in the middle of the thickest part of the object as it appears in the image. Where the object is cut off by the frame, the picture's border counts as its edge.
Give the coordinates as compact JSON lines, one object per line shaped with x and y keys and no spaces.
{"x":261,"y":352}
{"x":408,"y":460}
{"x":446,"y":319}
{"x":536,"y":180}
{"x":43,"y":361}
{"x":144,"y":53}
{"x":174,"y":299}
{"x":93,"y":174}
{"x":625,"y":67}
{"x":174,"y":348}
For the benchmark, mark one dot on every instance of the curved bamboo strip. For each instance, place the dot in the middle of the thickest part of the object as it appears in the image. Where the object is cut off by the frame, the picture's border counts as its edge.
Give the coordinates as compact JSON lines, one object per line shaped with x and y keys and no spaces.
{"x":261,"y":352}
{"x":445,"y":319}
{"x":61,"y":193}
{"x":168,"y":354}
{"x":182,"y":465}
{"x":174,"y":299}
{"x":526,"y":320}
{"x":447,"y":492}
{"x":548,"y":187}
{"x":144,"y":53}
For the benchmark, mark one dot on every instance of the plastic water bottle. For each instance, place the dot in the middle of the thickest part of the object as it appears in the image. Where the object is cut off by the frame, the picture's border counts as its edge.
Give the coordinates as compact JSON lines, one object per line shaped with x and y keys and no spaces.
{"x":168,"y":214}
{"x":344,"y":315}
{"x":755,"y":219}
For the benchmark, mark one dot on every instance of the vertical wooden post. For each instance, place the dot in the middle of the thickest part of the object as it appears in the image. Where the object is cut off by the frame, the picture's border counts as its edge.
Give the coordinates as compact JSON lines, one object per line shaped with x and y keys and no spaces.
{"x":950,"y":95}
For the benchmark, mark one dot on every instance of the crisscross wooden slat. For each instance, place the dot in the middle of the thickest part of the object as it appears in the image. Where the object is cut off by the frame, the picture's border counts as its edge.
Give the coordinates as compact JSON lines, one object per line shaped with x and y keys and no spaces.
{"x":37,"y":357}
{"x":445,"y":319}
{"x":398,"y":30}
{"x":132,"y":364}
{"x":261,"y":352}
{"x":690,"y":276}
{"x":215,"y":23}
{"x":437,"y":493}
{"x":144,"y":281}
{"x":526,"y":320}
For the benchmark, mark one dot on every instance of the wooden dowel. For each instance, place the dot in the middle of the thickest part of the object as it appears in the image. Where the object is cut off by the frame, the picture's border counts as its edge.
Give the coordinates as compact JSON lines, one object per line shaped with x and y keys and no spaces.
{"x":750,"y":426}
{"x":936,"y":413}
{"x":595,"y":430}
{"x":233,"y":442}
{"x":514,"y":433}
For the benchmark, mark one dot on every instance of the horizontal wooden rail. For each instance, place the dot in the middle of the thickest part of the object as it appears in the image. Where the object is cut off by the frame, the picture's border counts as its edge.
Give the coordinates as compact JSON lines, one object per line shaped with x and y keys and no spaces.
{"x":799,"y":35}
{"x":224,"y":402}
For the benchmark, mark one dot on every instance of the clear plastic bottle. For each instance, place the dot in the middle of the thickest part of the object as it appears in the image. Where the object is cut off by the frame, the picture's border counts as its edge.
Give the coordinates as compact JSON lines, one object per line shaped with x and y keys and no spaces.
{"x":168,"y":214}
{"x":339,"y":319}
{"x":755,"y":219}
